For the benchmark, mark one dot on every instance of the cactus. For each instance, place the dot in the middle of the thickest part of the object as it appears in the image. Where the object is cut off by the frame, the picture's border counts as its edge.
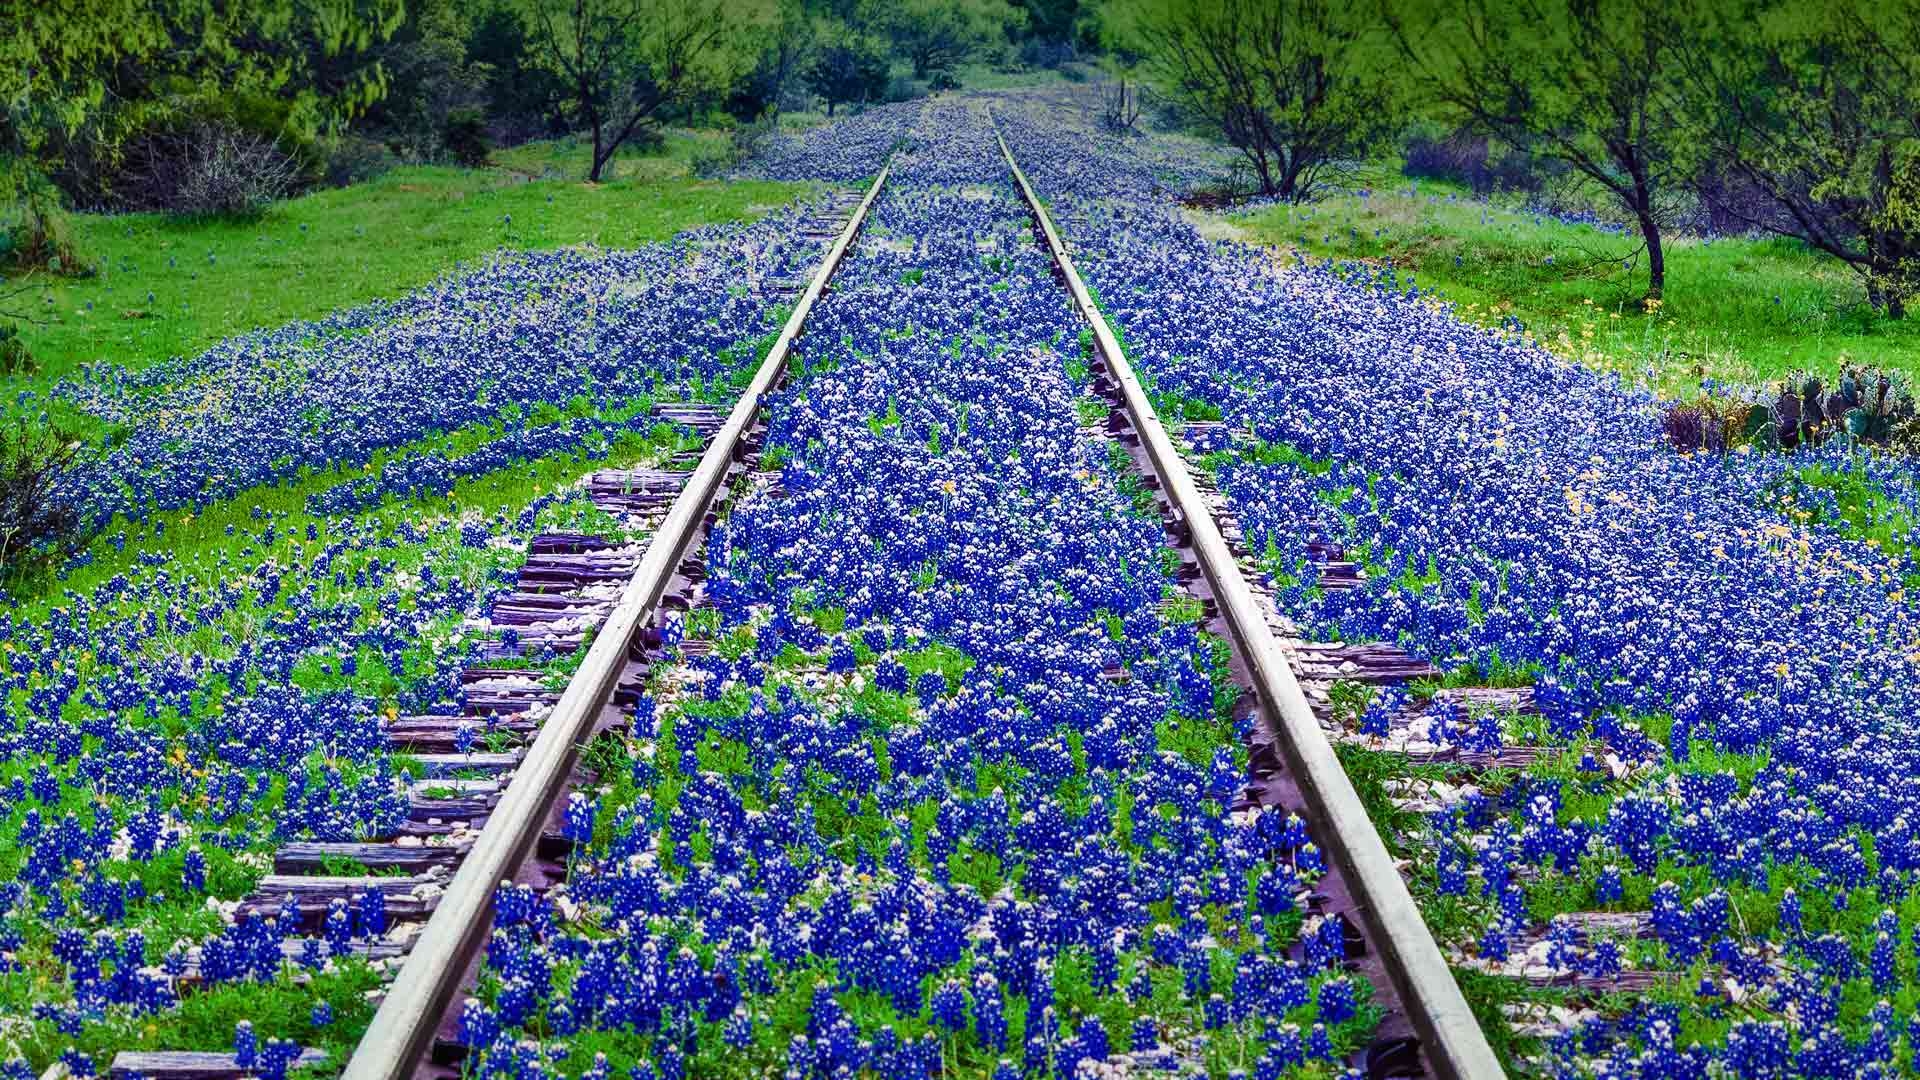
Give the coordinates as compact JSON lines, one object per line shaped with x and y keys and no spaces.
{"x":1864,"y":406}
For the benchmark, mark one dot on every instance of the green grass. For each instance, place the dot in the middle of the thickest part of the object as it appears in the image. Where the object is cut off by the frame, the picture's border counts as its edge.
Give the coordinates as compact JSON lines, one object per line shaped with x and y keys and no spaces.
{"x":345,"y":246}
{"x":1746,"y":310}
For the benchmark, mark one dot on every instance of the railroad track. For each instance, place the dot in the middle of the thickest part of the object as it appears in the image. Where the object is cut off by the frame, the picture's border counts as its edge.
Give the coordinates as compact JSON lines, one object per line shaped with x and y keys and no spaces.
{"x":481,"y":819}
{"x":487,"y":807}
{"x":1293,"y":762}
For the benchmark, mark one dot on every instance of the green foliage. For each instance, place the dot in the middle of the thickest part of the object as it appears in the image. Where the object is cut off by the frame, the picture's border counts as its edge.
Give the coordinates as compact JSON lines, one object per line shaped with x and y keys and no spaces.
{"x":466,"y":137}
{"x":1587,"y":85}
{"x":41,"y":235}
{"x":78,"y":79}
{"x":1297,"y":86}
{"x":1053,"y":20}
{"x":628,"y":62}
{"x":848,"y":67}
{"x":15,"y":359}
{"x":776,"y":77}
{"x":520,"y":94}
{"x":1810,"y":107}
{"x":937,"y":35}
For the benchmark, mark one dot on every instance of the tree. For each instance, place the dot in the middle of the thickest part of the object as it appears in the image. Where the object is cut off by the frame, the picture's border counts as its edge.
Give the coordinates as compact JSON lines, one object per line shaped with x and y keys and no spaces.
{"x":523,"y":96}
{"x":848,"y":68}
{"x":1051,"y":20}
{"x":87,"y":68}
{"x":1585,"y":82}
{"x":781,"y":67}
{"x":627,"y":62}
{"x":79,"y":77}
{"x":1294,"y":85}
{"x":1813,"y":108}
{"x":936,"y":35}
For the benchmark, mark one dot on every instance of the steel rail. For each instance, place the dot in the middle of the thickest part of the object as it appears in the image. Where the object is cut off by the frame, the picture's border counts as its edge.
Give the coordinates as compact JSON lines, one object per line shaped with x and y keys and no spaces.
{"x":404,"y":1026}
{"x":1454,"y":1045}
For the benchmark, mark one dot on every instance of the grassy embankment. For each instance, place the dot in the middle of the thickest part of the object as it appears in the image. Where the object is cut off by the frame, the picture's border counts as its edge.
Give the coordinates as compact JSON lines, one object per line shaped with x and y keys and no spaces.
{"x":1738,"y":309}
{"x":171,"y":286}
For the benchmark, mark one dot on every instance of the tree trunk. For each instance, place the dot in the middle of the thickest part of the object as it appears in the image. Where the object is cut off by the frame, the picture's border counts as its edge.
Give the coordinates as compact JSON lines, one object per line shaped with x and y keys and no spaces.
{"x":599,"y":161}
{"x":1893,"y":271}
{"x":1656,"y":257}
{"x":1649,"y":229}
{"x":1261,"y":168}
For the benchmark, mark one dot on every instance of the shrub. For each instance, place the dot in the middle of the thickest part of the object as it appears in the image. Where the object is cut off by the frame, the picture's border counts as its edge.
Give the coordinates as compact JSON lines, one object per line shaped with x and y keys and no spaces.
{"x":743,"y":142}
{"x":41,"y":237}
{"x":39,"y":516}
{"x":901,"y":88}
{"x":1458,"y":156}
{"x":1047,"y":54}
{"x":466,"y":137}
{"x":943,"y":80}
{"x":209,"y":169}
{"x":14,"y":357}
{"x":353,"y":159}
{"x":1862,"y":405}
{"x":1119,"y":106}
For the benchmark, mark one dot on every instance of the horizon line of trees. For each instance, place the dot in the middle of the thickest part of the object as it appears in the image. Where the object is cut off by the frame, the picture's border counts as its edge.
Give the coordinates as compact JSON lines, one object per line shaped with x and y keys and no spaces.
{"x":1774,"y":115}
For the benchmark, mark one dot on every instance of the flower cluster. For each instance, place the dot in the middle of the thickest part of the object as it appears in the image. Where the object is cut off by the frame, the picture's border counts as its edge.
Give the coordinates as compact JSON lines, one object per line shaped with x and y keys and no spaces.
{"x":521,"y":334}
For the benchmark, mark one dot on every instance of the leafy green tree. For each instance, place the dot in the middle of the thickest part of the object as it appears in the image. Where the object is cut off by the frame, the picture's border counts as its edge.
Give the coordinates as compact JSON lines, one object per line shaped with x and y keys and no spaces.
{"x":938,"y":35}
{"x":1584,"y":82}
{"x":523,"y":97}
{"x":789,"y":49}
{"x":1813,"y":107}
{"x":849,"y":67}
{"x":627,"y":62}
{"x":436,"y":87}
{"x":1052,"y":20}
{"x":1295,"y":85}
{"x":78,"y":77}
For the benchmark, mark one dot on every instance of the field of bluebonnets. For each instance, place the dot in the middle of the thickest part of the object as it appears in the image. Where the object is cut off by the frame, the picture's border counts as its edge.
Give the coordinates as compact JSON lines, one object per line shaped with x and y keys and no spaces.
{"x":368,"y":482}
{"x":897,"y":815}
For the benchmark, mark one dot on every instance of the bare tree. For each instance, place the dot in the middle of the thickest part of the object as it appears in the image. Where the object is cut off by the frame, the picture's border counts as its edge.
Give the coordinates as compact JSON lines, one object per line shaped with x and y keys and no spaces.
{"x":1119,"y":104}
{"x":628,"y":62}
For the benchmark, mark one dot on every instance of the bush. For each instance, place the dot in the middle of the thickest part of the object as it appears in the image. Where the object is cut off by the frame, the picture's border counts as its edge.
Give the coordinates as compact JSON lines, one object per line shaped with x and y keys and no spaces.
{"x":1463,"y":157}
{"x":466,"y":137}
{"x":901,"y":88}
{"x":352,"y":159}
{"x":743,"y":142}
{"x":943,"y":80}
{"x":1457,"y":156}
{"x":1047,"y":54}
{"x":41,"y":237}
{"x":39,"y":516}
{"x":14,"y":357}
{"x":209,"y":169}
